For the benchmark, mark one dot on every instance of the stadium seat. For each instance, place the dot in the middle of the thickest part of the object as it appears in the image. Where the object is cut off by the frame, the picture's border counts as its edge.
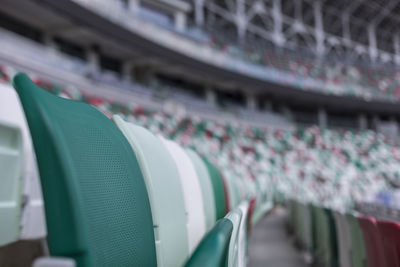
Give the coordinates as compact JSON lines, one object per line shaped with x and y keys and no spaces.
{"x":206,"y":188}
{"x":373,"y":242}
{"x":11,"y":177}
{"x":390,"y":234}
{"x":32,"y":219}
{"x":343,"y":238}
{"x":97,"y":209}
{"x":213,"y":250}
{"x":235,"y":216}
{"x":358,"y":252}
{"x":333,"y":244}
{"x":218,"y":189}
{"x":243,"y":234}
{"x":165,"y":193}
{"x":193,"y":198}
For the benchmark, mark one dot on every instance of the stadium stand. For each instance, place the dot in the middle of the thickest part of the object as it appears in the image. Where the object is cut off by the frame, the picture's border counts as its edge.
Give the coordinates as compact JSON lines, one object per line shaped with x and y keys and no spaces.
{"x":173,"y":158}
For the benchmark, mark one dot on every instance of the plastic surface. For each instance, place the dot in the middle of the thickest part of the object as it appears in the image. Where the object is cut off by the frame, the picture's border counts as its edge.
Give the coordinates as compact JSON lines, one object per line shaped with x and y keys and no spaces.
{"x":97,"y":209}
{"x":165,"y":193}
{"x":358,"y":253}
{"x":390,"y":233}
{"x":33,"y":225}
{"x":218,"y":189}
{"x":206,"y":188}
{"x":193,"y":199}
{"x":344,"y":239}
{"x":10,"y":178}
{"x":373,"y":242}
{"x":213,"y":249}
{"x":235,"y":216}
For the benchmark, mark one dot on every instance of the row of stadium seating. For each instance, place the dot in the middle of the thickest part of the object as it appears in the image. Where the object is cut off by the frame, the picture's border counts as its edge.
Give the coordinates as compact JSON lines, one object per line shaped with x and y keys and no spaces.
{"x":112,"y":197}
{"x":344,"y":239}
{"x":333,"y":167}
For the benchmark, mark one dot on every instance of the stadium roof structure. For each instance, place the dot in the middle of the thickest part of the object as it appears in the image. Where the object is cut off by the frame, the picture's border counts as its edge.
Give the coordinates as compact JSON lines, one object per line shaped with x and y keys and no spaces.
{"x":358,"y":29}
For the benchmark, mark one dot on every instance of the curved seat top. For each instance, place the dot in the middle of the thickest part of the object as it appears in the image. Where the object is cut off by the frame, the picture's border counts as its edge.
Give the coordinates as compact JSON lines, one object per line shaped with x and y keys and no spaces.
{"x":97,"y":209}
{"x":193,"y":199}
{"x":206,"y":188}
{"x":213,"y":249}
{"x":165,"y":193}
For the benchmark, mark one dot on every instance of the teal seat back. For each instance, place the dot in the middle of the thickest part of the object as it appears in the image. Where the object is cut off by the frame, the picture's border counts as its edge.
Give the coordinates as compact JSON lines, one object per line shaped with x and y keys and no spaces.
{"x":10,"y":182}
{"x":96,"y":204}
{"x":213,"y":249}
{"x":218,"y":189}
{"x":165,"y":193}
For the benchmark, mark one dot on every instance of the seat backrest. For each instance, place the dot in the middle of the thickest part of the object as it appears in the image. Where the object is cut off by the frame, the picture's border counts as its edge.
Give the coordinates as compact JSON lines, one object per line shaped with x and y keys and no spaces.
{"x":213,"y":249}
{"x":390,"y":234}
{"x":332,"y":234}
{"x":244,"y":207}
{"x":344,"y":242}
{"x":10,"y":177}
{"x":97,"y":209}
{"x":218,"y":189}
{"x":193,"y":198}
{"x":165,"y":193}
{"x":33,"y":224}
{"x":206,"y":188}
{"x":373,"y":242}
{"x":235,"y":216}
{"x":358,"y":253}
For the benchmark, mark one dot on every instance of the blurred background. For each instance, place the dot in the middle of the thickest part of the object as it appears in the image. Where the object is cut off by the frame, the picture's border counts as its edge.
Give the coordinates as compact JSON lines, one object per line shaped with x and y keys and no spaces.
{"x":301,"y":97}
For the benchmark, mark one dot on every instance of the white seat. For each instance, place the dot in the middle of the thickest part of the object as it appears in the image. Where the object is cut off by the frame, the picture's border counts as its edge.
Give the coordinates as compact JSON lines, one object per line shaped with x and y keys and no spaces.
{"x":165,"y":194}
{"x":33,"y":225}
{"x":10,"y":177}
{"x":196,"y":223}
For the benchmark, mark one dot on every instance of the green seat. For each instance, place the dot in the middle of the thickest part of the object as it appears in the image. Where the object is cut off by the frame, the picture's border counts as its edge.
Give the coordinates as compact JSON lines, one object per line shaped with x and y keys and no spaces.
{"x":332,"y":243}
{"x":96,"y":204}
{"x":206,"y":188}
{"x":358,"y":254}
{"x":10,"y":178}
{"x":218,"y":189}
{"x":165,"y":193}
{"x":213,"y":249}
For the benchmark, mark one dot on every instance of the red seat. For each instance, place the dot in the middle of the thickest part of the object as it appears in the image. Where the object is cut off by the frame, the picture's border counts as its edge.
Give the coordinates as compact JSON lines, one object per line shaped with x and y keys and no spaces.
{"x":390,"y":233}
{"x":373,"y":242}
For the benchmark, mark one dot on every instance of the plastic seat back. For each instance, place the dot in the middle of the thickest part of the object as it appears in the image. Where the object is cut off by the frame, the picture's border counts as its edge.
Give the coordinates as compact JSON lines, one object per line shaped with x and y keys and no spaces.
{"x":218,"y":189}
{"x":165,"y":193}
{"x":32,"y":219}
{"x":235,"y":216}
{"x":343,"y":238}
{"x":193,"y":199}
{"x":358,"y":253}
{"x":97,"y":209}
{"x":332,"y":235}
{"x":213,"y":250}
{"x":10,"y":176}
{"x":390,"y":233}
{"x":206,"y":188}
{"x":373,"y":242}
